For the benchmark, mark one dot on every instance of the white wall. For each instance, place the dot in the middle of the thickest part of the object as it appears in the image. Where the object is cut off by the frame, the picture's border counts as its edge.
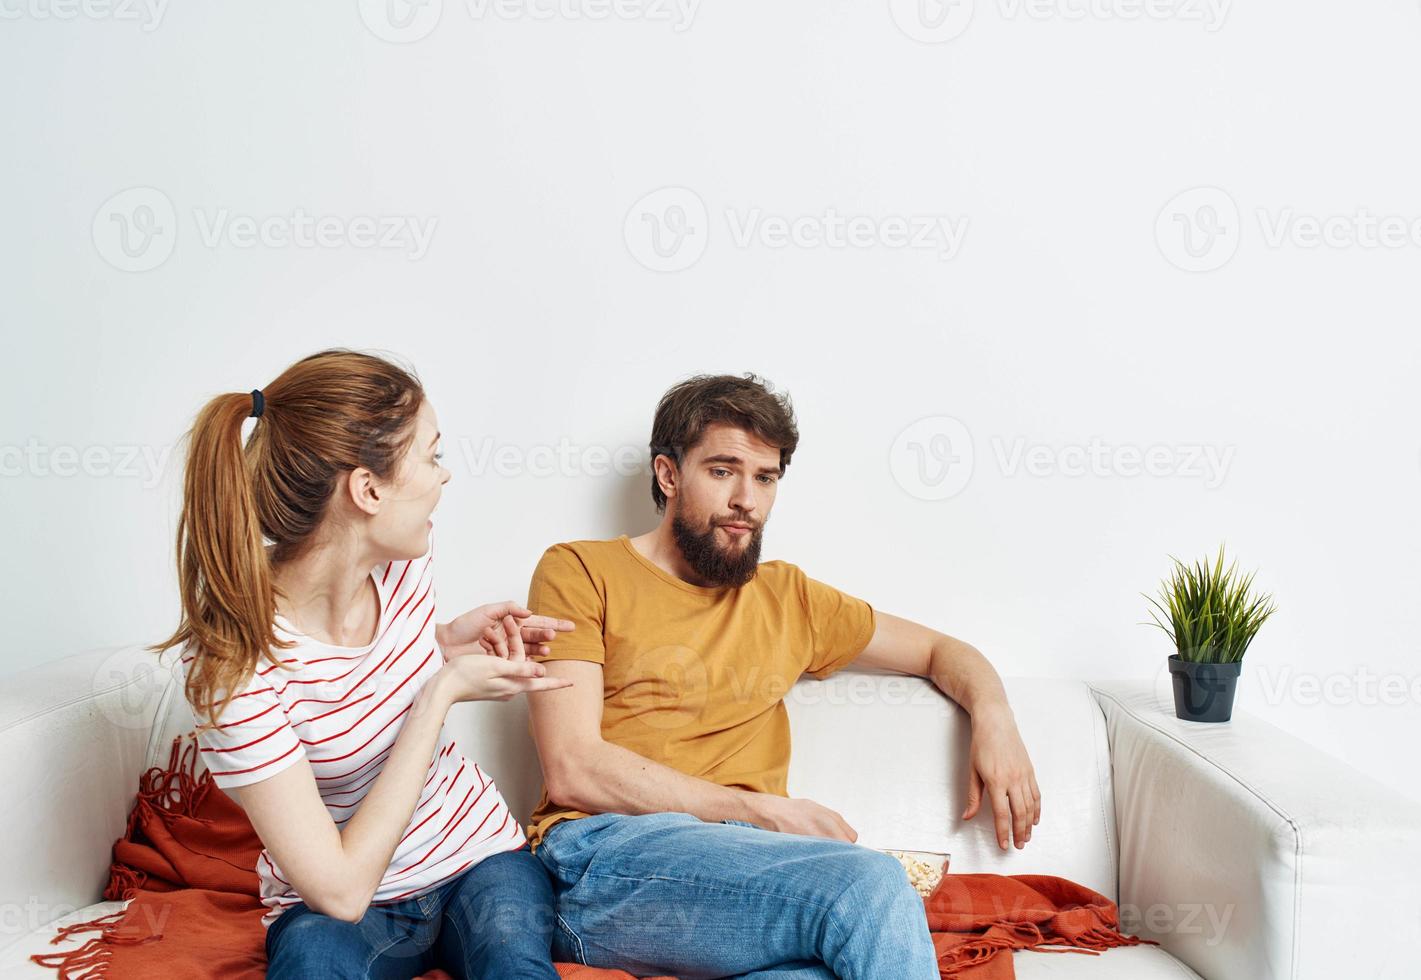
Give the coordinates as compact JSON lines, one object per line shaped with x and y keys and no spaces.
{"x":1064,"y":315}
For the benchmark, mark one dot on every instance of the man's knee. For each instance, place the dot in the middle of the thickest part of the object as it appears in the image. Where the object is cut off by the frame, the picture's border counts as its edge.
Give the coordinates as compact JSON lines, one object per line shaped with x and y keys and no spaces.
{"x":875,"y":878}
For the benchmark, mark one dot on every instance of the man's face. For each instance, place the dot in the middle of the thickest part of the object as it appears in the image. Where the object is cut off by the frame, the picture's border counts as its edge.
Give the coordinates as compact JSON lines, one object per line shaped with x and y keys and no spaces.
{"x":724,"y":491}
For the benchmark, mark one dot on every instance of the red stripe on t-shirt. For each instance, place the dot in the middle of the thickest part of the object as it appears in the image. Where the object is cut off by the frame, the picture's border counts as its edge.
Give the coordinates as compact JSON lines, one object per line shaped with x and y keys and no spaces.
{"x":334,"y":711}
{"x":388,"y":566}
{"x":368,"y":714}
{"x":337,"y":758}
{"x":245,"y":745}
{"x":239,"y":772}
{"x":431,"y":887}
{"x":451,"y":827}
{"x":267,"y":858}
{"x":435,"y":884}
{"x":374,"y":670}
{"x":434,"y":813}
{"x":370,"y":762}
{"x":373,"y":775}
{"x":466,"y":840}
{"x":232,"y":724}
{"x":406,"y":571}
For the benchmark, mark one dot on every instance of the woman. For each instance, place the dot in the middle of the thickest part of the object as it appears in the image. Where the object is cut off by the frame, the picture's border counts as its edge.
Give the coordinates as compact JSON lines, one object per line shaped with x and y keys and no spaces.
{"x":321,"y":682}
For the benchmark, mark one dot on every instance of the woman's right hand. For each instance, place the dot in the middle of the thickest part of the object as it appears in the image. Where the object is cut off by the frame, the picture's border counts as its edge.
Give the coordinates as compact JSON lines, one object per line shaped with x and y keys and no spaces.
{"x":480,"y":677}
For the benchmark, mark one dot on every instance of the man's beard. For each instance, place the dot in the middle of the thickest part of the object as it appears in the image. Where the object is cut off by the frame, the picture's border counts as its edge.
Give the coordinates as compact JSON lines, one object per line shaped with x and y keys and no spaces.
{"x":711,"y":562}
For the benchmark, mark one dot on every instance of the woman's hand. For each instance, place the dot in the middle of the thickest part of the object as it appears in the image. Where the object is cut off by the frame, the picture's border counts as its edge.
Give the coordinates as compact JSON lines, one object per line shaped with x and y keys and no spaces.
{"x":497,"y":629}
{"x":492,"y":679}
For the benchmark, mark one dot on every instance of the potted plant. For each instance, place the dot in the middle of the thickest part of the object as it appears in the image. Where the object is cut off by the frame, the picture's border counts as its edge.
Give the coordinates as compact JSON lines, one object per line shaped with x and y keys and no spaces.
{"x":1213,"y":615}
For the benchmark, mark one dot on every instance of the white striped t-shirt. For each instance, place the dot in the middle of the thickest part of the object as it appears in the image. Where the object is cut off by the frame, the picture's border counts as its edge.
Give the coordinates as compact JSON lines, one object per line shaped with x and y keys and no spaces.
{"x":341,"y":710}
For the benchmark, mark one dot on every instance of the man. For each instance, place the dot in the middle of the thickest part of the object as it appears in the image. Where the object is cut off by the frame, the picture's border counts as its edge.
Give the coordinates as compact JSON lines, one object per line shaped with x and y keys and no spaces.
{"x":664,"y":820}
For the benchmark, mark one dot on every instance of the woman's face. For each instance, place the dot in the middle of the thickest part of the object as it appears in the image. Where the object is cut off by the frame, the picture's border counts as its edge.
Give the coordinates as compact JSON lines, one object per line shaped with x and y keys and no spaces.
{"x":401,"y":527}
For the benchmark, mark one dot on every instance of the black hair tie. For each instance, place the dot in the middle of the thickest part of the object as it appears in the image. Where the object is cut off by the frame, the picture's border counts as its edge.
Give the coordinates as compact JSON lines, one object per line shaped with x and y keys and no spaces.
{"x":258,"y":403}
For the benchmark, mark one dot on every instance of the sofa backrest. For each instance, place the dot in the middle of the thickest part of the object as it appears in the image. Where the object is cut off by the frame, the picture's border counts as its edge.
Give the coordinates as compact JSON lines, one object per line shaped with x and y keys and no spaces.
{"x":889,"y":753}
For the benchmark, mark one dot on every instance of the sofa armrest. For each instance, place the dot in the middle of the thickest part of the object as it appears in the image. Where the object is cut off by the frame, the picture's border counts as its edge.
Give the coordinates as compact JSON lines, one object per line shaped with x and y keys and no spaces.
{"x":75,"y":735}
{"x":1248,"y":853}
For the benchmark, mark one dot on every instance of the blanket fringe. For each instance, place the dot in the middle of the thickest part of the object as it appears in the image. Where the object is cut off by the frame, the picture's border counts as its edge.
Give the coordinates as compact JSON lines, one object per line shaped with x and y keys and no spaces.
{"x":93,"y":925}
{"x":1027,"y":936}
{"x":1103,"y":937}
{"x":89,"y":962}
{"x":1019,"y":935}
{"x":176,"y":790}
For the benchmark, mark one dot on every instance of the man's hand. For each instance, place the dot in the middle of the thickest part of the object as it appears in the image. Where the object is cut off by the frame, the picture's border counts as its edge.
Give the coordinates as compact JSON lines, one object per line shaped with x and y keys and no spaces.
{"x":1001,"y":770}
{"x":500,"y":629}
{"x":800,"y":817}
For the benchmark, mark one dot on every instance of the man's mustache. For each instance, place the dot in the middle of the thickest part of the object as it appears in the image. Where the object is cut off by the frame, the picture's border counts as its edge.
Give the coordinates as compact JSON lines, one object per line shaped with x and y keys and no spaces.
{"x":753,"y":525}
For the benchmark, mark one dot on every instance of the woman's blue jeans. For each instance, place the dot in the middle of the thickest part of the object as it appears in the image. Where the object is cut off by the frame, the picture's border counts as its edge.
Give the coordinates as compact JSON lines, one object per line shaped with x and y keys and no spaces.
{"x":493,"y":921}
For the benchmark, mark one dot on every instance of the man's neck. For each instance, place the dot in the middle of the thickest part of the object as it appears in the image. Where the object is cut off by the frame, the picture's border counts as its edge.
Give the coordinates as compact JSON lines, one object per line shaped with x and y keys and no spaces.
{"x":658,"y":546}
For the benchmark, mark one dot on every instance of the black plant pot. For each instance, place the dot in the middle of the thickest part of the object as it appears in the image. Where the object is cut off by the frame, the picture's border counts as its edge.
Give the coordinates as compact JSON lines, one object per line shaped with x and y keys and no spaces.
{"x":1203,"y":692}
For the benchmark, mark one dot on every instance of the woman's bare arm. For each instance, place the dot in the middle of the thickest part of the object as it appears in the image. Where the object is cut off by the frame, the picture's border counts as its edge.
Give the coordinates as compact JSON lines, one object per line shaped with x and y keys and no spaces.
{"x":337,"y":872}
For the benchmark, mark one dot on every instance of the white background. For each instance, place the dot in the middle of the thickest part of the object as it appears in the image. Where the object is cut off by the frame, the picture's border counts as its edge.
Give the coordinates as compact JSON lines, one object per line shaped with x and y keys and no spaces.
{"x":1059,"y":136}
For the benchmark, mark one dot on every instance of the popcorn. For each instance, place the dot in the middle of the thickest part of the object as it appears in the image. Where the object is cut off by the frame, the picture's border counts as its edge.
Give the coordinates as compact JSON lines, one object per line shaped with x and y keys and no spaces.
{"x":924,"y":869}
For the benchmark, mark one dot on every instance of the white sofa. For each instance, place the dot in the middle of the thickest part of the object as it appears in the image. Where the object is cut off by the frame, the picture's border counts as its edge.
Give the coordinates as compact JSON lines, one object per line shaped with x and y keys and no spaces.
{"x":1246,"y":853}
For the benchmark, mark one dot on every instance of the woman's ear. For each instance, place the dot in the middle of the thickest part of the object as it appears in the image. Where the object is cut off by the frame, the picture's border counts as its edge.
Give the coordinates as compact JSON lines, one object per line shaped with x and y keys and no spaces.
{"x":364,"y":490}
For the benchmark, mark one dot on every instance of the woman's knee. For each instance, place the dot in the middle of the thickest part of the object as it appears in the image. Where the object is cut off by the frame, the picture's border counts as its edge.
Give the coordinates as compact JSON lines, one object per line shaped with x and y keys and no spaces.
{"x":506,"y":884}
{"x":501,"y":913}
{"x":312,"y":944}
{"x":498,"y":936}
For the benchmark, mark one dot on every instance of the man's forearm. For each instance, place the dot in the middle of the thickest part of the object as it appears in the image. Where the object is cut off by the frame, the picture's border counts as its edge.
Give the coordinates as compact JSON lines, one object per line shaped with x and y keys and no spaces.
{"x":607,"y":778}
{"x":963,"y":674}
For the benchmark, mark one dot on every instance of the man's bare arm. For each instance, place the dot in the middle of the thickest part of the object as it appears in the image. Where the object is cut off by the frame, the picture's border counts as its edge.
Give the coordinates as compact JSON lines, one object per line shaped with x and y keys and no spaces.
{"x":956,"y":667}
{"x":585,"y":772}
{"x":1001,"y":770}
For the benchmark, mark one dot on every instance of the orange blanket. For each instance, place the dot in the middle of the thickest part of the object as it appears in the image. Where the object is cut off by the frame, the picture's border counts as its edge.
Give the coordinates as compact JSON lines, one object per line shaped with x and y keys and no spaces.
{"x":187,"y":861}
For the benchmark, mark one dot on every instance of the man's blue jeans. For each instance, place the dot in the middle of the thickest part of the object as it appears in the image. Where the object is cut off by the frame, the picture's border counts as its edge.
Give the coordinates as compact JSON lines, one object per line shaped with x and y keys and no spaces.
{"x":493,"y":921}
{"x":666,"y":893}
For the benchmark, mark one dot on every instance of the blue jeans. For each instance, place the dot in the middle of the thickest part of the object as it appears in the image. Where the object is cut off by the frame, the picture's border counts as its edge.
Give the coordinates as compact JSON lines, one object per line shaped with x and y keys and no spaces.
{"x":666,"y":893}
{"x":494,"y":920}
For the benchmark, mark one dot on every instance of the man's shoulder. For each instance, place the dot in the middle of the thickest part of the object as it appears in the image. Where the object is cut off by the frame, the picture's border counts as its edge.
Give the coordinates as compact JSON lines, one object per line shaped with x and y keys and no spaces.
{"x":785,"y":579}
{"x":591,"y":555}
{"x":779,"y":576}
{"x":593,"y":548}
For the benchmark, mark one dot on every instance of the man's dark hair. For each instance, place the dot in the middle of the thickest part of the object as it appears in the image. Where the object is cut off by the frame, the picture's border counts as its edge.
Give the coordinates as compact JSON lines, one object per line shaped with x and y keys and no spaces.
{"x":748,"y":403}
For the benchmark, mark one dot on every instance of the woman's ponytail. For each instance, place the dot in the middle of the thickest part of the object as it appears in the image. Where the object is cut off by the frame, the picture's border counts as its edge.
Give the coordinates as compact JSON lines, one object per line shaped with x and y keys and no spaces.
{"x":224,"y":575}
{"x":247,"y":508}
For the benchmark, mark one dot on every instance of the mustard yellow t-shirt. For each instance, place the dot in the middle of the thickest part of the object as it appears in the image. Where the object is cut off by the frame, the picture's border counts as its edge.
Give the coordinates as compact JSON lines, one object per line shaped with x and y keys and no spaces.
{"x":694,"y":677}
